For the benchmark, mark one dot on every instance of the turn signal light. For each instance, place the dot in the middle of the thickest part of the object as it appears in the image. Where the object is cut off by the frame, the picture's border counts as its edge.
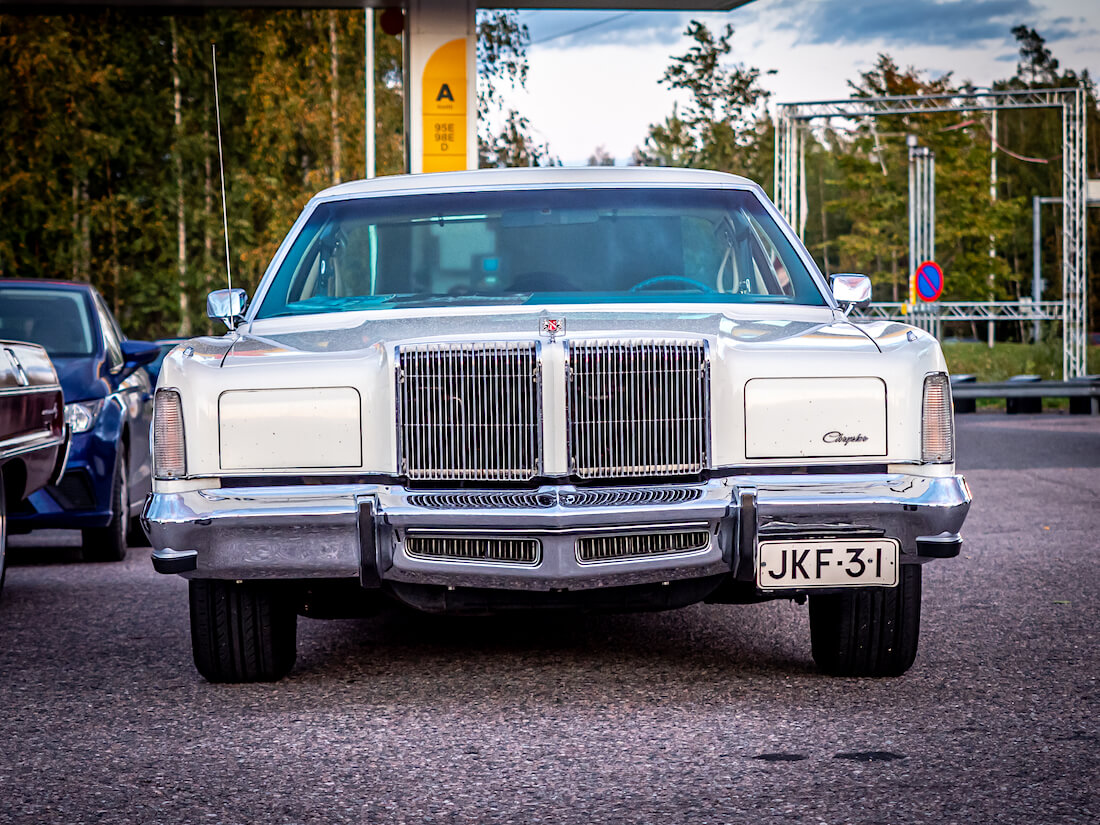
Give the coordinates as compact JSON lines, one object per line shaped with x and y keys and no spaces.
{"x":937,"y":420}
{"x":169,"y":458}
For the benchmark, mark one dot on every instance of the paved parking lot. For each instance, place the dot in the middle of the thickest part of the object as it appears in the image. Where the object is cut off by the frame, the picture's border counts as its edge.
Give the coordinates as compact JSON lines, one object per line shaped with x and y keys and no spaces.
{"x":711,"y":714}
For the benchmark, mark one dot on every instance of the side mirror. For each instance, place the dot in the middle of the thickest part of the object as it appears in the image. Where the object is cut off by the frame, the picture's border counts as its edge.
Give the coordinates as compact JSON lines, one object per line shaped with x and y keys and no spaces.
{"x":136,"y":354}
{"x":226,"y":305}
{"x":852,"y":291}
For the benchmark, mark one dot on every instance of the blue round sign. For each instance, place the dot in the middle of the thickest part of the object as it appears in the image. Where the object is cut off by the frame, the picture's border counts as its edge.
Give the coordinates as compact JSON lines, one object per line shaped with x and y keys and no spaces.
{"x":929,"y":278}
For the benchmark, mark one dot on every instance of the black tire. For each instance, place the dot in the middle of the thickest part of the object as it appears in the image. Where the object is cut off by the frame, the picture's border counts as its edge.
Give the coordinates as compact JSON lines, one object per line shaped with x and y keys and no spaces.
{"x":868,"y":632}
{"x":109,"y":543}
{"x":242,"y":631}
{"x":3,"y":537}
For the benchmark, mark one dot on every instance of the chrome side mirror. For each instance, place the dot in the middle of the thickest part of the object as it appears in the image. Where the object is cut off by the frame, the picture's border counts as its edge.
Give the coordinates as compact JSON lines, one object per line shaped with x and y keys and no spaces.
{"x":226,"y":305}
{"x":852,"y":291}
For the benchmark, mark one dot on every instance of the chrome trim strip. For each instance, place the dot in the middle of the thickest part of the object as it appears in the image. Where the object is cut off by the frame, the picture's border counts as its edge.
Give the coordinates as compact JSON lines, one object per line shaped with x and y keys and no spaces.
{"x":632,"y":529}
{"x":27,"y":445}
{"x":27,"y":390}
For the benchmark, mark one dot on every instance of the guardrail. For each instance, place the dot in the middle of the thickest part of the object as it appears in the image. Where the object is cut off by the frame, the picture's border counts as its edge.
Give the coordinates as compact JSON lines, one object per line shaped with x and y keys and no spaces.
{"x":1025,"y":393}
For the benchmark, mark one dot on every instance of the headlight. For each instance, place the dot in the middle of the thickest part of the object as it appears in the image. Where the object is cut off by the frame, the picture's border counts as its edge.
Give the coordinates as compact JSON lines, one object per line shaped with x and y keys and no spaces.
{"x":81,"y":415}
{"x":169,"y":458}
{"x":937,"y":421}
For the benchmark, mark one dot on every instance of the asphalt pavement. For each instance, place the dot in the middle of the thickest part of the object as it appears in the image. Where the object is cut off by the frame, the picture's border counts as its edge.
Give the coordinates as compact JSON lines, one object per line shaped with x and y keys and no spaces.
{"x":711,"y":714}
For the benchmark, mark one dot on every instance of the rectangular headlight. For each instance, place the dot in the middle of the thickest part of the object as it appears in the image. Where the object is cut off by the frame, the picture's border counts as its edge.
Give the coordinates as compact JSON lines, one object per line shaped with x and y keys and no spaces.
{"x":169,"y":458}
{"x":937,"y":420}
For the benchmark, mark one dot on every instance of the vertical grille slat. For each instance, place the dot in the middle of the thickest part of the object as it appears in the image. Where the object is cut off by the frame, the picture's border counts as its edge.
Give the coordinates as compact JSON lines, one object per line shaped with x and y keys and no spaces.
{"x":638,"y":407}
{"x":469,"y":411}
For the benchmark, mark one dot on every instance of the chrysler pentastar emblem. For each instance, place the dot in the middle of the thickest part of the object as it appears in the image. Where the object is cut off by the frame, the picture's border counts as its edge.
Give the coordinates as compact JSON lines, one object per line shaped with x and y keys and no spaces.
{"x":837,"y":437}
{"x":552,"y":327}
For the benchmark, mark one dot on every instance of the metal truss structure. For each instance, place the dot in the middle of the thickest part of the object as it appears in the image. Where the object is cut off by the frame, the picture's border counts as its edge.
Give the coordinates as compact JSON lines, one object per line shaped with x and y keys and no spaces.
{"x":930,"y":316}
{"x":922,"y":219}
{"x":790,"y":178}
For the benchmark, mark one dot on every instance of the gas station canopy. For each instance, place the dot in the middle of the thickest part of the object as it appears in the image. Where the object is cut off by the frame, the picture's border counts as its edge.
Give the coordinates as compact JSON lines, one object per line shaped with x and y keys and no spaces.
{"x":623,"y":5}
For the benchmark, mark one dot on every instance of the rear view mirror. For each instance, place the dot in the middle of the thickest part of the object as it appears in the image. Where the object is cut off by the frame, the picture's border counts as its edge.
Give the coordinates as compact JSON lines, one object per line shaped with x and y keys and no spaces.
{"x":852,"y":291}
{"x":226,"y":305}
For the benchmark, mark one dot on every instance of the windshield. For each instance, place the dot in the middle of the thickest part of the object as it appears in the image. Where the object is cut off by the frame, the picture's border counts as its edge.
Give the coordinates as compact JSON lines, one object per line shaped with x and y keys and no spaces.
{"x":539,"y":246}
{"x":55,"y":319}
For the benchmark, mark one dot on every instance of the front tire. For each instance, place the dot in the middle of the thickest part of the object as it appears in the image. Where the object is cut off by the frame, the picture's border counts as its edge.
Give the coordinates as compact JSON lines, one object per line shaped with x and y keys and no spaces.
{"x":242,"y":631}
{"x":3,"y":537}
{"x":868,"y":632}
{"x":109,"y":543}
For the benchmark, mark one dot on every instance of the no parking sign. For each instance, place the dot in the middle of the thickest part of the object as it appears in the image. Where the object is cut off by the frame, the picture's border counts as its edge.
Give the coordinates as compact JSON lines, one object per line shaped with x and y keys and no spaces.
{"x":928,"y":281}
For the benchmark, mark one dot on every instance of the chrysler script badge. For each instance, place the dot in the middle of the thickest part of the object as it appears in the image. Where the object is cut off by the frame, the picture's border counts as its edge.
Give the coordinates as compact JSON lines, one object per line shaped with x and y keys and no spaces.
{"x":552,"y":327}
{"x":836,"y":437}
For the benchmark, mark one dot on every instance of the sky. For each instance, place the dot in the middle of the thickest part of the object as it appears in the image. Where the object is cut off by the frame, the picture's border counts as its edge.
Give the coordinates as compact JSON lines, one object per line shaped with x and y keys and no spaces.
{"x":594,"y":74}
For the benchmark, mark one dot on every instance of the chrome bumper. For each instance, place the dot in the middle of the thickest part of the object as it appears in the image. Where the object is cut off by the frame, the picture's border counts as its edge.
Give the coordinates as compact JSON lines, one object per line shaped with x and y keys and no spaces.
{"x":361,"y":530}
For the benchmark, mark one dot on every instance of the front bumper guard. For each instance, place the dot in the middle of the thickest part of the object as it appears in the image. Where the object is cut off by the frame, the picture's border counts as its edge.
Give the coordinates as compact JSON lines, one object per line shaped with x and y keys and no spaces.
{"x":360,"y":530}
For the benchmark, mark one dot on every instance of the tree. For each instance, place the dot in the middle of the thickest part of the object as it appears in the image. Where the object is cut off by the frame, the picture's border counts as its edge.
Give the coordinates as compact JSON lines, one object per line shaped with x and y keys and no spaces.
{"x":1030,"y":164}
{"x":871,"y":198}
{"x":601,"y":157}
{"x":724,"y":120}
{"x":502,"y":62}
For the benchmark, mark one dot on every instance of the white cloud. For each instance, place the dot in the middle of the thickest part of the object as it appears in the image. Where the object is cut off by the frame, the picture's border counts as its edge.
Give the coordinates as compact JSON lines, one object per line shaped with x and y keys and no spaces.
{"x":600,"y":86}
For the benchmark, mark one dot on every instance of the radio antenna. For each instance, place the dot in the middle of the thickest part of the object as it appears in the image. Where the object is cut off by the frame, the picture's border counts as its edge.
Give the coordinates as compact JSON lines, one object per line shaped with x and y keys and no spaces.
{"x":221,"y":166}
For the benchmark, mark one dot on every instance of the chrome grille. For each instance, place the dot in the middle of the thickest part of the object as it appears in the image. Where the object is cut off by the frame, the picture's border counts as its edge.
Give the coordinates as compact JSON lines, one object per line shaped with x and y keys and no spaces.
{"x":630,"y":497}
{"x":482,"y":501}
{"x":513,"y":551}
{"x":638,"y":407}
{"x":469,"y":411}
{"x":640,"y":545}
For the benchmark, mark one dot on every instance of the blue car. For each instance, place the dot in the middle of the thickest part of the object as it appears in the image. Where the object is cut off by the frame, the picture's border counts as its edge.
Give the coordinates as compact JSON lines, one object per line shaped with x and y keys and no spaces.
{"x":108,"y":409}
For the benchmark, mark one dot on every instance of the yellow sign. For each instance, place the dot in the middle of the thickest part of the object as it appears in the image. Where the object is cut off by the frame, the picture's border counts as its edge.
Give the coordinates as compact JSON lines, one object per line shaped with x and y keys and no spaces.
{"x":444,"y":108}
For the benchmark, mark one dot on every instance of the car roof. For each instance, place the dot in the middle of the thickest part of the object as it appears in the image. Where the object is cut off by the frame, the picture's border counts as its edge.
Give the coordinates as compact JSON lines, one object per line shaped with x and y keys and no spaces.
{"x":535,"y":178}
{"x":45,"y":283}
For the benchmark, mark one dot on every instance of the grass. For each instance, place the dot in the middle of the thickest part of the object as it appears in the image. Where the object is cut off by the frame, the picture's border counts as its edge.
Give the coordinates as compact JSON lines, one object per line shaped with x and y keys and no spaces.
{"x":1006,"y":360}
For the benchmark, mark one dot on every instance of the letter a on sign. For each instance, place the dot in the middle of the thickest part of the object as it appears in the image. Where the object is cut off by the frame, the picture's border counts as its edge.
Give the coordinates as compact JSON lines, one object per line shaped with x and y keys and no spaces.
{"x":445,"y":92}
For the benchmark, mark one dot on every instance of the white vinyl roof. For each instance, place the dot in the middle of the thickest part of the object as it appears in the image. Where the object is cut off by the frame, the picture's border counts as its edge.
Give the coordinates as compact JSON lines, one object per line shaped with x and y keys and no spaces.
{"x":481,"y":179}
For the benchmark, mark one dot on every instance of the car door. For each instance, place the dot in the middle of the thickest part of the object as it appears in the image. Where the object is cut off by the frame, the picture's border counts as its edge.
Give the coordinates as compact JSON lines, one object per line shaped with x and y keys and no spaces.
{"x":135,"y":393}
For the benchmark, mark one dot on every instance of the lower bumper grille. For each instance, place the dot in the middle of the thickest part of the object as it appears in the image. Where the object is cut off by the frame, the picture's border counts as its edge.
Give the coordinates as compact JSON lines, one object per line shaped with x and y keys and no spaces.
{"x":512,"y":551}
{"x":640,"y":546}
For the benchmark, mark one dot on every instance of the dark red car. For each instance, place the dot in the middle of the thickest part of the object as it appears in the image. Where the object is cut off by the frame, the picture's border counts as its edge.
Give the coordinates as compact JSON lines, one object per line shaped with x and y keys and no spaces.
{"x":33,"y":438}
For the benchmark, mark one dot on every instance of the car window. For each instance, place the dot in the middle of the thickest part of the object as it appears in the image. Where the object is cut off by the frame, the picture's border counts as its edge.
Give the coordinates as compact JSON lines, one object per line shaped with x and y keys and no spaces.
{"x":56,"y":319}
{"x":631,"y":245}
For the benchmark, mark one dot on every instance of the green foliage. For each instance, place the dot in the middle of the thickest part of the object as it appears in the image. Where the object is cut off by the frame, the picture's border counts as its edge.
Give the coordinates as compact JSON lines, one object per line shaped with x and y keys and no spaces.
{"x":722,"y":127}
{"x":856,"y":174}
{"x":92,"y":165}
{"x":502,"y":60}
{"x":1007,"y":359}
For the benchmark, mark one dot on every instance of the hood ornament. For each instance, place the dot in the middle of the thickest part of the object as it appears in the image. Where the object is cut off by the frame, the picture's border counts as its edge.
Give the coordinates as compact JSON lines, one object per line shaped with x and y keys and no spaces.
{"x":553,"y":327}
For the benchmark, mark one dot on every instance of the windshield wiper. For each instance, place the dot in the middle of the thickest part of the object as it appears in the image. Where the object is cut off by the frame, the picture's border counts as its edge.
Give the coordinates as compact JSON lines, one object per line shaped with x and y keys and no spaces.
{"x":432,"y":298}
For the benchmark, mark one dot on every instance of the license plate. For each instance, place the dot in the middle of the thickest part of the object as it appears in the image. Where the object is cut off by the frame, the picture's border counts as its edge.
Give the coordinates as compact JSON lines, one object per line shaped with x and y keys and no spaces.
{"x":827,"y":563}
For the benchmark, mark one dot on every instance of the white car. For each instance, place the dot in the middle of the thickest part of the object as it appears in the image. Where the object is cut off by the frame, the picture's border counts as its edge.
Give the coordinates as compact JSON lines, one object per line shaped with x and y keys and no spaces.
{"x":608,"y":389}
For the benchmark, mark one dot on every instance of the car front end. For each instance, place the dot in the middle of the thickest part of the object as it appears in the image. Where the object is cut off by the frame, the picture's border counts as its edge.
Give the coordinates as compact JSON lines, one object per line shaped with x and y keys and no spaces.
{"x":721,"y":433}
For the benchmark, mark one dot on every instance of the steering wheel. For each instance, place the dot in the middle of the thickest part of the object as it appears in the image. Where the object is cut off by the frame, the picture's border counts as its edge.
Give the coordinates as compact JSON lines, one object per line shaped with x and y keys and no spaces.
{"x":671,"y":279}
